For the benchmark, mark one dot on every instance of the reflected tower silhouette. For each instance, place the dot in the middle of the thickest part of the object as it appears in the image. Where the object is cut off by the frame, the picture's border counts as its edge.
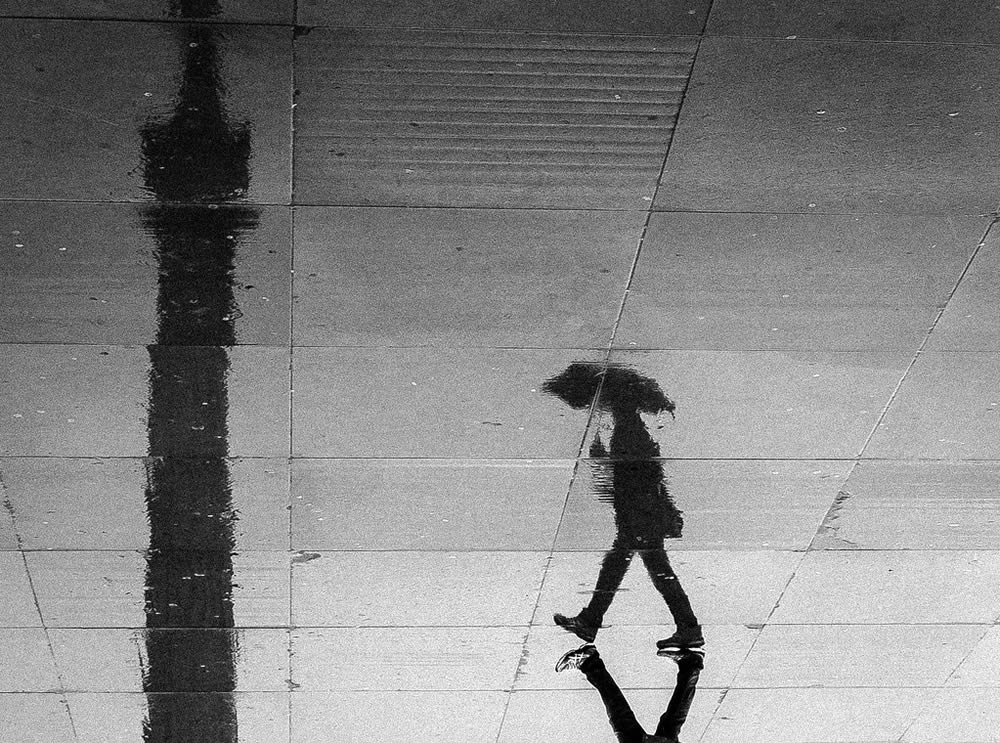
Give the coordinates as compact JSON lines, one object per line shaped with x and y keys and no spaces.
{"x":628,"y":475}
{"x":194,"y":162}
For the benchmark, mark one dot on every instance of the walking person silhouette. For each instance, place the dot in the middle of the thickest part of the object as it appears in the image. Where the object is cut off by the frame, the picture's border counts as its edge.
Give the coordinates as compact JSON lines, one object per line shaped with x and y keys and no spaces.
{"x":630,"y":477}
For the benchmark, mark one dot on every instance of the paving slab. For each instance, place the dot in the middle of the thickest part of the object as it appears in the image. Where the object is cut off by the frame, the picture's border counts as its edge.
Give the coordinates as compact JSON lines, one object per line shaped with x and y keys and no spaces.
{"x":90,"y":589}
{"x":172,"y":660}
{"x":19,"y":608}
{"x":889,"y":587}
{"x":723,"y":587}
{"x":499,"y":119}
{"x":817,"y":715}
{"x":88,"y":134}
{"x":36,"y":718}
{"x":761,"y":404}
{"x":915,"y":505}
{"x":109,"y":273}
{"x":793,"y":281}
{"x":424,"y":402}
{"x":894,"y":20}
{"x":578,"y":715}
{"x":842,"y":655}
{"x":631,"y":17}
{"x":205,"y":11}
{"x":104,"y":504}
{"x":401,"y":589}
{"x":421,"y":504}
{"x":836,"y":127}
{"x":971,"y":320}
{"x":957,"y":716}
{"x":630,"y":655}
{"x":511,"y":278}
{"x":369,"y":716}
{"x":370,"y":658}
{"x":93,"y":401}
{"x":725,"y":504}
{"x":962,"y":420}
{"x":247,"y":717}
{"x":26,"y":663}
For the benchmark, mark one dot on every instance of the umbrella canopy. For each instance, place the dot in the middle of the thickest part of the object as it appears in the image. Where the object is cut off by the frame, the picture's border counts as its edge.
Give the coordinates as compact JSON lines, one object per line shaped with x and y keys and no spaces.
{"x":623,"y":390}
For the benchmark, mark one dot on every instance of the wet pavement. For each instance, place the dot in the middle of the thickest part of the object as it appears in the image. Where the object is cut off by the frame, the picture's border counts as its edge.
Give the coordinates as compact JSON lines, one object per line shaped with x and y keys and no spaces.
{"x":361,"y":360}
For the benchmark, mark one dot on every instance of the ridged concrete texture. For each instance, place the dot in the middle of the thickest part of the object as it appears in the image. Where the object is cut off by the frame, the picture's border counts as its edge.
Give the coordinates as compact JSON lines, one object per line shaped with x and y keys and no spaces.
{"x":485,"y":119}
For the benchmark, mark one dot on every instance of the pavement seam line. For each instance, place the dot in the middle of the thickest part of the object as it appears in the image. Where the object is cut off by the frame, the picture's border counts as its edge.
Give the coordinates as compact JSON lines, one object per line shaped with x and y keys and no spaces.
{"x":551,"y":554}
{"x":923,"y":344}
{"x":975,"y":646}
{"x":9,"y":507}
{"x":837,"y":505}
{"x":650,"y":210}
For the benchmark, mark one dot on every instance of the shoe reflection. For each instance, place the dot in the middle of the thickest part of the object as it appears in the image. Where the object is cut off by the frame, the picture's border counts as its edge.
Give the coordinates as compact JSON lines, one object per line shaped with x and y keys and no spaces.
{"x":626,"y":727}
{"x":628,"y":475}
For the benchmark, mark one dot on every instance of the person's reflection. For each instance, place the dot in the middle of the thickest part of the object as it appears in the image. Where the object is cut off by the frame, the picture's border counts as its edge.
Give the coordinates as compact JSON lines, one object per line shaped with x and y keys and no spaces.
{"x":195,"y":161}
{"x":627,"y":729}
{"x":627,"y":473}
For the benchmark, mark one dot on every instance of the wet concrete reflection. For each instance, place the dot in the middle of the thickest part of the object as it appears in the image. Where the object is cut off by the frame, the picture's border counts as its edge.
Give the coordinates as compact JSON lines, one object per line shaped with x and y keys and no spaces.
{"x":197,"y":156}
{"x":630,"y":477}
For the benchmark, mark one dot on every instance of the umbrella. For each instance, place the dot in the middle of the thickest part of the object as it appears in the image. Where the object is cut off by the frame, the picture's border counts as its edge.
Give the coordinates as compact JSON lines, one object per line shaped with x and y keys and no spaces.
{"x":624,"y":389}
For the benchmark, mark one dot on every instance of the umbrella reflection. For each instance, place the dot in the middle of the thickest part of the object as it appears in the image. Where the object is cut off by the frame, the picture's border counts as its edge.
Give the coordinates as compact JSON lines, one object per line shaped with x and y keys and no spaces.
{"x":193,"y":162}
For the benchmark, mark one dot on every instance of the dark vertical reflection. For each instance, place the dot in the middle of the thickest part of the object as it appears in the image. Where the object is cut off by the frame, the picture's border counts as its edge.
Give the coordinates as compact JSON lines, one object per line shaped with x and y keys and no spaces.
{"x":194,"y":161}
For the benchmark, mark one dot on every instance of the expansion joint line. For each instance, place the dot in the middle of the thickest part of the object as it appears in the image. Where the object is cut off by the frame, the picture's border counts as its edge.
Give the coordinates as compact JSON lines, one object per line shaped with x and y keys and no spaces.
{"x":927,"y":336}
{"x":652,"y":199}
{"x":8,"y":506}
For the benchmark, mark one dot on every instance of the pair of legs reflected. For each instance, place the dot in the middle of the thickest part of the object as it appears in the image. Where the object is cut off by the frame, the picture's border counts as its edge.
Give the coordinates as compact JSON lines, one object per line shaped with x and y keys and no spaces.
{"x":613,"y":568}
{"x":623,"y":721}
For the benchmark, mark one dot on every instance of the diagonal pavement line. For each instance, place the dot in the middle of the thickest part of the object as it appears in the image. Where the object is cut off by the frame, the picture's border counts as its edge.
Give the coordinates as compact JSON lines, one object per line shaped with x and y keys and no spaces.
{"x":838,"y":502}
{"x":777,"y":603}
{"x":656,"y":191}
{"x":986,"y":630}
{"x":927,"y":336}
{"x":9,"y":507}
{"x":552,"y":548}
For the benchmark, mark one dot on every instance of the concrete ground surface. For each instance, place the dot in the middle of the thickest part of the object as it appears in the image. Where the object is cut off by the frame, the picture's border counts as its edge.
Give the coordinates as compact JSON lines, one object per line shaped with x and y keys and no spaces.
{"x":343,"y":342}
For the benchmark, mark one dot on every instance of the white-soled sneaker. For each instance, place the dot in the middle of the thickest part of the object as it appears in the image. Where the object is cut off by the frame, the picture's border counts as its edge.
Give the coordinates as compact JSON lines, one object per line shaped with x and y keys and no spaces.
{"x":576,"y":658}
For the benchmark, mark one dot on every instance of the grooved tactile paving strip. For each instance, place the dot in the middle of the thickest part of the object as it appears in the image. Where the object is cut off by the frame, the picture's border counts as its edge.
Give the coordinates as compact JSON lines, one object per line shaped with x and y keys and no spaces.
{"x":485,"y":119}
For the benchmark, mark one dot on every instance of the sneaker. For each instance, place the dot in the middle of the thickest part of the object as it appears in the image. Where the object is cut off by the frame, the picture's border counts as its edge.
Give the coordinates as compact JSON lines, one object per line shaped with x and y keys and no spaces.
{"x":681,"y":639}
{"x":578,"y":628}
{"x":576,"y":658}
{"x":684,"y":656}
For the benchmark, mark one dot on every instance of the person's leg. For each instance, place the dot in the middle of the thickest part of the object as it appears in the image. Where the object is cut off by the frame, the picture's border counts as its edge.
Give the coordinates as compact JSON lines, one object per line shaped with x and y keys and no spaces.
{"x":665,"y":581}
{"x":613,"y":568}
{"x":627,"y":729}
{"x":689,"y":665}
